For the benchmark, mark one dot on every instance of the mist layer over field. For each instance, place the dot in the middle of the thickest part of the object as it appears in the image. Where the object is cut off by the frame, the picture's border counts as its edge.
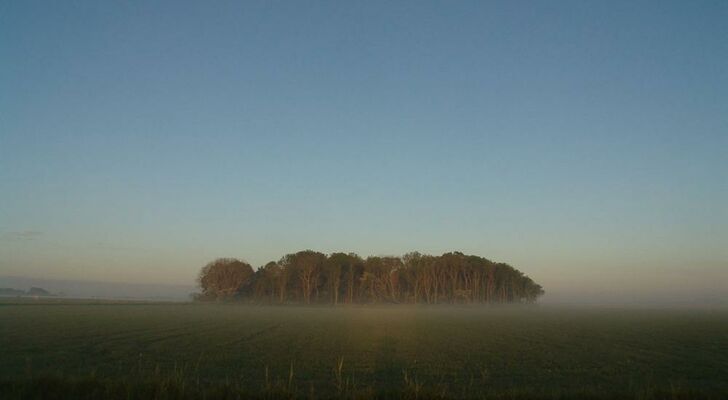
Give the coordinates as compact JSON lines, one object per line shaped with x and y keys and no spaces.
{"x":460,"y":351}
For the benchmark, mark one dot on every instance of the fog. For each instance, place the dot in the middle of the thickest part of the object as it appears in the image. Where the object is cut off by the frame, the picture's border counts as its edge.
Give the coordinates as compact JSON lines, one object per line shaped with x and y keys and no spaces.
{"x":655,"y":286}
{"x":707,"y":289}
{"x":102,"y":290}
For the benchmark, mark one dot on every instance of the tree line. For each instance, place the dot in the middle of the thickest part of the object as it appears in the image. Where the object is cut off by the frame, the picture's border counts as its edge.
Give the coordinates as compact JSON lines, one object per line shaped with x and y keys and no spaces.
{"x":311,"y":277}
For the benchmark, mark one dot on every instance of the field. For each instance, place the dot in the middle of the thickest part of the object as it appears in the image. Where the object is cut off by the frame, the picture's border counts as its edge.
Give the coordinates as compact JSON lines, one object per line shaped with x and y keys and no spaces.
{"x":125,"y":350}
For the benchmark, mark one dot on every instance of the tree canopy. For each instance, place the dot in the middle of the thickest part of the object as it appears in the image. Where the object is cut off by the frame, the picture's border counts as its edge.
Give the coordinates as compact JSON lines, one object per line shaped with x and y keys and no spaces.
{"x":311,"y":277}
{"x":224,"y":278}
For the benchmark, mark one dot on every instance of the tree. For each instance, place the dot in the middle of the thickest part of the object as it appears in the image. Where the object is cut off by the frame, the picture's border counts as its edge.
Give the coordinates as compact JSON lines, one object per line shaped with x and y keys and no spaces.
{"x":268,"y":283}
{"x":224,"y":278}
{"x":336,"y":265}
{"x":306,"y":266}
{"x":312,"y":277}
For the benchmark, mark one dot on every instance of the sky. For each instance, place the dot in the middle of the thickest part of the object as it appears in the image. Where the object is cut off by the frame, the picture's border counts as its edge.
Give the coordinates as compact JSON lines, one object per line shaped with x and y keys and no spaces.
{"x":583,"y":142}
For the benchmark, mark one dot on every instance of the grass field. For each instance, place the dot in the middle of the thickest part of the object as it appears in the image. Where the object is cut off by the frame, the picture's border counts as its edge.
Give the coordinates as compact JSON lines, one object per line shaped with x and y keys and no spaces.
{"x":125,"y":350}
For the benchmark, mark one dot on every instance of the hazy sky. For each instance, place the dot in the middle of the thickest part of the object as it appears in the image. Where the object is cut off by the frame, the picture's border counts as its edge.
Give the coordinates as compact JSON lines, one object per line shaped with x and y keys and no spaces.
{"x":585,"y":142}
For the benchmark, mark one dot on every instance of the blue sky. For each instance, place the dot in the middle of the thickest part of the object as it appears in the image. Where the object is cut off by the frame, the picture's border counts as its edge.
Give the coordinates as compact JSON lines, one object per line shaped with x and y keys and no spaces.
{"x":582,"y":141}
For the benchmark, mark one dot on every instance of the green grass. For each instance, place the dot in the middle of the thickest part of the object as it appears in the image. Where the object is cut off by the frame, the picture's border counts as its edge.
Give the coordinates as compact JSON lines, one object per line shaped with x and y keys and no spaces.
{"x":126,"y":350}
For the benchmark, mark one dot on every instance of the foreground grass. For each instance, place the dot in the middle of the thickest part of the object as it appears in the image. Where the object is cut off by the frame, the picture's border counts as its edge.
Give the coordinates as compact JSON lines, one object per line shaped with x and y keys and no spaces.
{"x":179,"y":387}
{"x":166,"y":351}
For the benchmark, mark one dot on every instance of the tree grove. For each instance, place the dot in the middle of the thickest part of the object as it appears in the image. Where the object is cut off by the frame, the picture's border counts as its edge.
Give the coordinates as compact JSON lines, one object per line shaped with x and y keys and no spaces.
{"x":310,"y":277}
